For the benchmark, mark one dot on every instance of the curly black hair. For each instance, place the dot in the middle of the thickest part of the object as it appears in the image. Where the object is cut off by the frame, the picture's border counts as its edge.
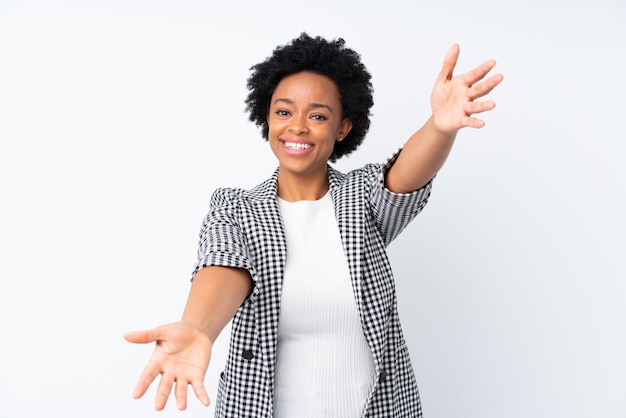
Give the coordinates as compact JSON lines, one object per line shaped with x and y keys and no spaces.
{"x":318,"y":55}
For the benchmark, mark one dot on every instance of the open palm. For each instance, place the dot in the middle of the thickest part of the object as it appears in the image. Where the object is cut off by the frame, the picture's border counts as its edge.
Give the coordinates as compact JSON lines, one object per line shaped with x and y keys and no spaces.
{"x":181,"y":356}
{"x":453,"y":97}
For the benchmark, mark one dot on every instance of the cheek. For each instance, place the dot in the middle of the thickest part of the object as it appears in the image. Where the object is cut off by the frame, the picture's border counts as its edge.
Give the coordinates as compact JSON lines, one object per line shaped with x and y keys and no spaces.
{"x":273,"y":127}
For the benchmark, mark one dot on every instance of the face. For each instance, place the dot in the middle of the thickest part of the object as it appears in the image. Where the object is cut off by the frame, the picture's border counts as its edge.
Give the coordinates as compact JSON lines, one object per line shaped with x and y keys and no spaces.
{"x":305,"y":119}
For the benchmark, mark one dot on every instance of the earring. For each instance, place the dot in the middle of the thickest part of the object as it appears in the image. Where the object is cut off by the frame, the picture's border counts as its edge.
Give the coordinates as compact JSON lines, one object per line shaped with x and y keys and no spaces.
{"x":340,"y":139}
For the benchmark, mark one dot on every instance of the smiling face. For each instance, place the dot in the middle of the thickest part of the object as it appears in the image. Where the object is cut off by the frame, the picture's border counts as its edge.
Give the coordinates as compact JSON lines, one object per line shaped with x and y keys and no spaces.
{"x":305,"y":119}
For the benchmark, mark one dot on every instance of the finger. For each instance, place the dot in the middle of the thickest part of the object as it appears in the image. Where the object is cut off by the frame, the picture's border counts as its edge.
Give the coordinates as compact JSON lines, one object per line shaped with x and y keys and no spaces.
{"x":181,"y":393}
{"x":472,"y":122}
{"x":200,"y":391}
{"x":146,"y":378}
{"x":163,"y":391}
{"x":449,"y":62}
{"x":479,"y":107}
{"x":476,"y":123}
{"x":484,"y":88}
{"x":141,"y":337}
{"x":478,"y":73}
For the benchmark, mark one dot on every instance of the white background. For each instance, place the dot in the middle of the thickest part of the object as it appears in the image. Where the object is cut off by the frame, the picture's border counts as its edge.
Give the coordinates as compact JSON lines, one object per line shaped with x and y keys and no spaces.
{"x":119,"y":118}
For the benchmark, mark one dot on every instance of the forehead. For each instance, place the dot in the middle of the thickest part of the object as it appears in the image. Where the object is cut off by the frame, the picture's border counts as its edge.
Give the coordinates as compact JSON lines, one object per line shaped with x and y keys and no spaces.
{"x":306,"y":84}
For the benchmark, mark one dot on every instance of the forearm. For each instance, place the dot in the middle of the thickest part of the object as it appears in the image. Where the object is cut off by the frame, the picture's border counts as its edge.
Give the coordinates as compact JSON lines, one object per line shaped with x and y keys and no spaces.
{"x":216,"y":294}
{"x":420,"y":159}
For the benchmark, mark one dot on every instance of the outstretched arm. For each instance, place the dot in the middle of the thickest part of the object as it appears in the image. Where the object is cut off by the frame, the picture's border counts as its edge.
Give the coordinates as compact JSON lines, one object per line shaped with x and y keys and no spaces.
{"x":183,"y":349}
{"x":453,"y":106}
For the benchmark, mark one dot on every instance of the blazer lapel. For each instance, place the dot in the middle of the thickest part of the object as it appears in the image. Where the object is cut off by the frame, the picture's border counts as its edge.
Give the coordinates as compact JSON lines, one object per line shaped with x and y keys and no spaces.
{"x":270,"y":229}
{"x":351,"y":215}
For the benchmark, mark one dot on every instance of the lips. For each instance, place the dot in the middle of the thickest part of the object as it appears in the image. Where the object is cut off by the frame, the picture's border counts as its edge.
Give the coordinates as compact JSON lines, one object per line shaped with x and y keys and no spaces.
{"x":296,"y":146}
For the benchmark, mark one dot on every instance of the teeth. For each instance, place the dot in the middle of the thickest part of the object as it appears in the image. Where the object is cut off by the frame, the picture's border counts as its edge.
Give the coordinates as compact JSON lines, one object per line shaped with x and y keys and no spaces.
{"x":297,"y":145}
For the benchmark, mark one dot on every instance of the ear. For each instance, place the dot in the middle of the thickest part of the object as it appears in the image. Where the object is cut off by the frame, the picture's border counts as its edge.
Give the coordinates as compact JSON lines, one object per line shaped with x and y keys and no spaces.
{"x":344,"y":129}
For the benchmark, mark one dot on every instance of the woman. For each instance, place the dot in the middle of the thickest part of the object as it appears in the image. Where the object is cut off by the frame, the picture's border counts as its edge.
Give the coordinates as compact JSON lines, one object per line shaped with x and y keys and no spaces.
{"x":298,"y":262}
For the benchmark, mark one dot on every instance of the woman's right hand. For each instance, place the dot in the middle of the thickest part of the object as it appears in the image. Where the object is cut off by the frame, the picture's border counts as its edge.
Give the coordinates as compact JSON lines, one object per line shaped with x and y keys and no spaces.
{"x":181,"y":356}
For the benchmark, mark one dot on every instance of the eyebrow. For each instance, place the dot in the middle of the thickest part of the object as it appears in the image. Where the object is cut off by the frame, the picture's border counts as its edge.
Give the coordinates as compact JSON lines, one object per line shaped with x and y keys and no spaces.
{"x":312,"y":105}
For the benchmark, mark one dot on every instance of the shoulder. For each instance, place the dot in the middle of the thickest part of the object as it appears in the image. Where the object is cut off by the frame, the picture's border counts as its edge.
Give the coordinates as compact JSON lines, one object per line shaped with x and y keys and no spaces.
{"x":225,"y":197}
{"x":371,"y":174}
{"x":235,"y":196}
{"x":370,"y":169}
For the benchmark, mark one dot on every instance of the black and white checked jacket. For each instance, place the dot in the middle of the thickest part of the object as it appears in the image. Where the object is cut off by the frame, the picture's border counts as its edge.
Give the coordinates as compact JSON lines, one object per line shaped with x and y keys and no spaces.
{"x":244,"y":229}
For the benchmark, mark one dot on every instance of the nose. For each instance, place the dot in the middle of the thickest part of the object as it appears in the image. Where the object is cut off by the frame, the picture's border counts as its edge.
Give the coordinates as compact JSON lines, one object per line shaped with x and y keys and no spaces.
{"x":297,"y":124}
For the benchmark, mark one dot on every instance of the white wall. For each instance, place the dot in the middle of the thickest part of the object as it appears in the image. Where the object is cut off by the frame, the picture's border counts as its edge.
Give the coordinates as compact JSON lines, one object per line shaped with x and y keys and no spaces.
{"x":119,"y":118}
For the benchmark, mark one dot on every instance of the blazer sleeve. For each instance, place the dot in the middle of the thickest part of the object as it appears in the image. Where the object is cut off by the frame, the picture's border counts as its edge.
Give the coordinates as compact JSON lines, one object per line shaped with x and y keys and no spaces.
{"x":392,"y":212}
{"x":222,"y":242}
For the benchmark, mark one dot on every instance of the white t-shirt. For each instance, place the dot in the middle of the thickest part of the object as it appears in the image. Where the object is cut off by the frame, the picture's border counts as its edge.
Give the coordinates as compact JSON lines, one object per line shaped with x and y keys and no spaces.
{"x":324,"y":367}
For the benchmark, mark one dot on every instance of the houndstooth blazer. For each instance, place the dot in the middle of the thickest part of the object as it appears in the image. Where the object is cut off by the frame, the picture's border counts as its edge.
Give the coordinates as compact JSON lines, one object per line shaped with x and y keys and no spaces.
{"x":244,"y":229}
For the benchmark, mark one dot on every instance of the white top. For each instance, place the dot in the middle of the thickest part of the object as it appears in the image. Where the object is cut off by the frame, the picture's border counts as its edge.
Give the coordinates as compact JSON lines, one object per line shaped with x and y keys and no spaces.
{"x":324,"y":367}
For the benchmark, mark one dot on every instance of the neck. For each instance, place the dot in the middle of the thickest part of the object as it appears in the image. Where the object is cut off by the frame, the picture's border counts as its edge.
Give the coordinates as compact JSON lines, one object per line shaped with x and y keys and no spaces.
{"x":292,"y":187}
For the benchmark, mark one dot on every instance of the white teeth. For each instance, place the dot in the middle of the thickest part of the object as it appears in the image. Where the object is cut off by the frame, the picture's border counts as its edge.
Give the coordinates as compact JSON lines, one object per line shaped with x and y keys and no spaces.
{"x":297,"y":145}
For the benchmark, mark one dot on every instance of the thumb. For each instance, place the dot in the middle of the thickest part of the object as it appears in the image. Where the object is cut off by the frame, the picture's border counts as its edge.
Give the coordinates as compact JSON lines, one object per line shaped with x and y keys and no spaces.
{"x":142,"y":337}
{"x":449,"y":62}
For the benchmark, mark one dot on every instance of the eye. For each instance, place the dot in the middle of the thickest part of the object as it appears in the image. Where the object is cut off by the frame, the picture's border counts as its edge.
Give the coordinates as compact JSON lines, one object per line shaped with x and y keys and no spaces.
{"x":318,"y":117}
{"x":282,"y":112}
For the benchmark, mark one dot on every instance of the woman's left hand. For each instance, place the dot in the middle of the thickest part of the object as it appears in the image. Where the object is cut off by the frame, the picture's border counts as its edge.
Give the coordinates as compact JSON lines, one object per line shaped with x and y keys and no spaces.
{"x":453,"y":97}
